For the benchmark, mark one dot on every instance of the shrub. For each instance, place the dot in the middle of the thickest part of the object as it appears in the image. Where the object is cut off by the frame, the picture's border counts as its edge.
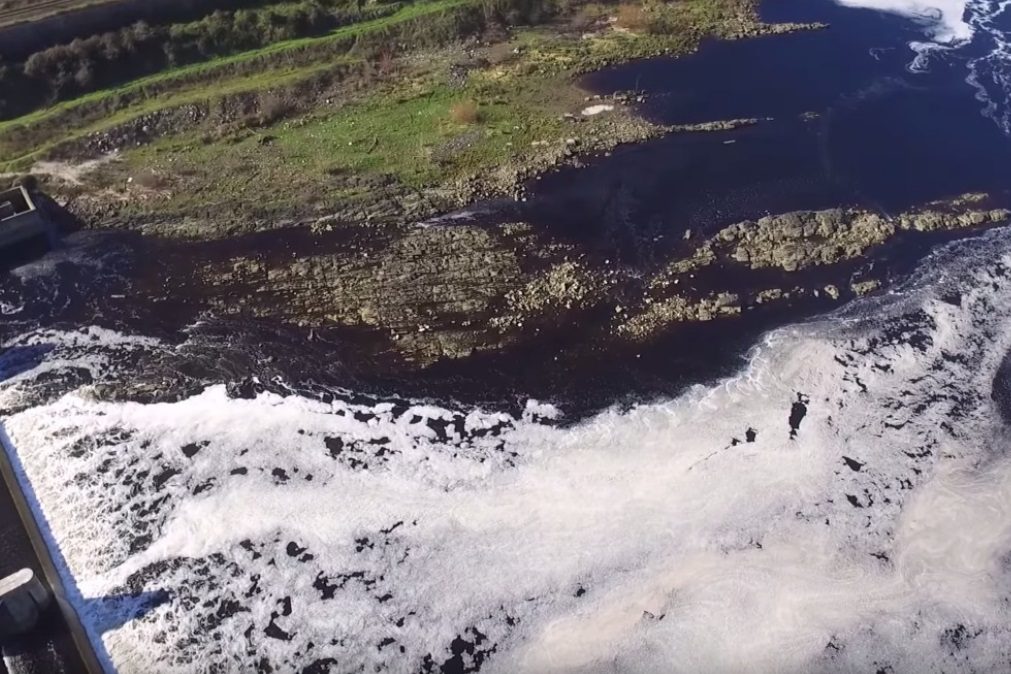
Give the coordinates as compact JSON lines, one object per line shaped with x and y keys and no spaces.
{"x":385,"y":63}
{"x":464,"y":112}
{"x":99,"y":61}
{"x":102,"y":61}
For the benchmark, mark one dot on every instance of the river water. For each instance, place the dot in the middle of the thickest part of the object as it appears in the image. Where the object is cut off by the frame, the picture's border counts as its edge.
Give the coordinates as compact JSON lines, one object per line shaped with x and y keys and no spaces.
{"x":854,"y":117}
{"x":839,"y":502}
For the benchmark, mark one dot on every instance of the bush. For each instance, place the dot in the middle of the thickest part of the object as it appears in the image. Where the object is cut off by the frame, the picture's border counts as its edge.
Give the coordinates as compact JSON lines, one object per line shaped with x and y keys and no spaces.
{"x":108,"y":59}
{"x":465,"y":112}
{"x":151,"y":180}
{"x":385,"y":63}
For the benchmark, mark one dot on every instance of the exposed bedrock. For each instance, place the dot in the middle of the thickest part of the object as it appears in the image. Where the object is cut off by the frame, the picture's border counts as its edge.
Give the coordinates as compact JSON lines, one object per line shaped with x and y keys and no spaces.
{"x":451,"y":291}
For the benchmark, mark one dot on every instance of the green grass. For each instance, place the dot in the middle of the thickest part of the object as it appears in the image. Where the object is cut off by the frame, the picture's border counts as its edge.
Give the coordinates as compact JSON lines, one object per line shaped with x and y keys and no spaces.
{"x":260,"y":81}
{"x":384,"y":135}
{"x":328,"y":161}
{"x":187,"y":73}
{"x":412,"y":135}
{"x":414,"y":138}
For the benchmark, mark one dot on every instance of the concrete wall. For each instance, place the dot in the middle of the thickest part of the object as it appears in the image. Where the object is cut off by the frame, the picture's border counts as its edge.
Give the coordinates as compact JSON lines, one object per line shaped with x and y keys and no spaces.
{"x":30,"y":222}
{"x":20,"y":40}
{"x":22,"y":227}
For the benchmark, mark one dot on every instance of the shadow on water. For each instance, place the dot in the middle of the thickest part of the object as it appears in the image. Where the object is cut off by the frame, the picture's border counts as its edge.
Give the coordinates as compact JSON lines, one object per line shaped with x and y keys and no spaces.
{"x":19,"y":359}
{"x":23,"y":252}
{"x":113,"y":611}
{"x":1000,"y":391}
{"x":34,"y":651}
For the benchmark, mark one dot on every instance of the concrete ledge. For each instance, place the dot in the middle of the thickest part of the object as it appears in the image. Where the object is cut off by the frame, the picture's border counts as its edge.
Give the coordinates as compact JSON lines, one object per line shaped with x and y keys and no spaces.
{"x":8,"y":481}
{"x":20,"y":218}
{"x":23,"y":599}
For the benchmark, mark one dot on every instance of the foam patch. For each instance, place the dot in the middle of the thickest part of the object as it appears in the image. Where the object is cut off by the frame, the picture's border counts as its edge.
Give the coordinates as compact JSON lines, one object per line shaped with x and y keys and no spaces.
{"x":843,"y":504}
{"x":943,"y":20}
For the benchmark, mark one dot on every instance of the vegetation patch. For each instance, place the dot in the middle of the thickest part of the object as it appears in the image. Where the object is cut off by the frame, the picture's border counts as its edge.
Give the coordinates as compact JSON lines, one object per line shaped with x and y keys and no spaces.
{"x":100,"y":61}
{"x":413,"y":109}
{"x":423,"y":24}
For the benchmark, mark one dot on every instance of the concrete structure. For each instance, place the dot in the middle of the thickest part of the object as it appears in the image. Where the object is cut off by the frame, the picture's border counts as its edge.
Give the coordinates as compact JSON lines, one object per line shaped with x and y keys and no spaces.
{"x":20,"y":218}
{"x":23,"y":600}
{"x":58,"y":643}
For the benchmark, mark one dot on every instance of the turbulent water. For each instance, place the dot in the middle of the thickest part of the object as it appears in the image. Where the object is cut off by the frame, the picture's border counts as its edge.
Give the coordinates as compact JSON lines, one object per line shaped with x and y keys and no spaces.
{"x":842,"y":504}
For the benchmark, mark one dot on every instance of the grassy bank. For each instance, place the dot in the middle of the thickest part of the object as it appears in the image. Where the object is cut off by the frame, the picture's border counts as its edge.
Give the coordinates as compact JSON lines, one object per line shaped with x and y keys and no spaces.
{"x":28,"y":137}
{"x":433,"y":99}
{"x":410,"y":134}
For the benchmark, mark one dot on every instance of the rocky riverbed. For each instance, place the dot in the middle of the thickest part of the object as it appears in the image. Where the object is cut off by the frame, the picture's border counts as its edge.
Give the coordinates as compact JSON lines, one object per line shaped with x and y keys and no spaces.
{"x":450,"y":291}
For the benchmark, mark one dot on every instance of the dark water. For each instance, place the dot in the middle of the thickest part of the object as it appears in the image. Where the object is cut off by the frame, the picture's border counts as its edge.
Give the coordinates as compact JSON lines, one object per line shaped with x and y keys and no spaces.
{"x":850,"y":125}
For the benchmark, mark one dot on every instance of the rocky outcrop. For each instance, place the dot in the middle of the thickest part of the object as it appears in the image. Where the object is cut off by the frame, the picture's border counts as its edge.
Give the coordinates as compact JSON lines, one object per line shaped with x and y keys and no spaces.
{"x":723,"y":125}
{"x":790,"y":242}
{"x":677,"y":309}
{"x":936,"y":220}
{"x":432,"y":289}
{"x":671,"y":273}
{"x":442,"y":292}
{"x":799,"y":240}
{"x":860,"y":288}
{"x":564,"y":288}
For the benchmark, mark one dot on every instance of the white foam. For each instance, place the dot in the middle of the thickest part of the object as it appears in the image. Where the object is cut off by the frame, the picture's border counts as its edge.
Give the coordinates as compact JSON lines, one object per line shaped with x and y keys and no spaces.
{"x":592,"y":110}
{"x":657,"y":539}
{"x":990,"y":74}
{"x":943,"y":21}
{"x":8,"y":309}
{"x":952,"y":25}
